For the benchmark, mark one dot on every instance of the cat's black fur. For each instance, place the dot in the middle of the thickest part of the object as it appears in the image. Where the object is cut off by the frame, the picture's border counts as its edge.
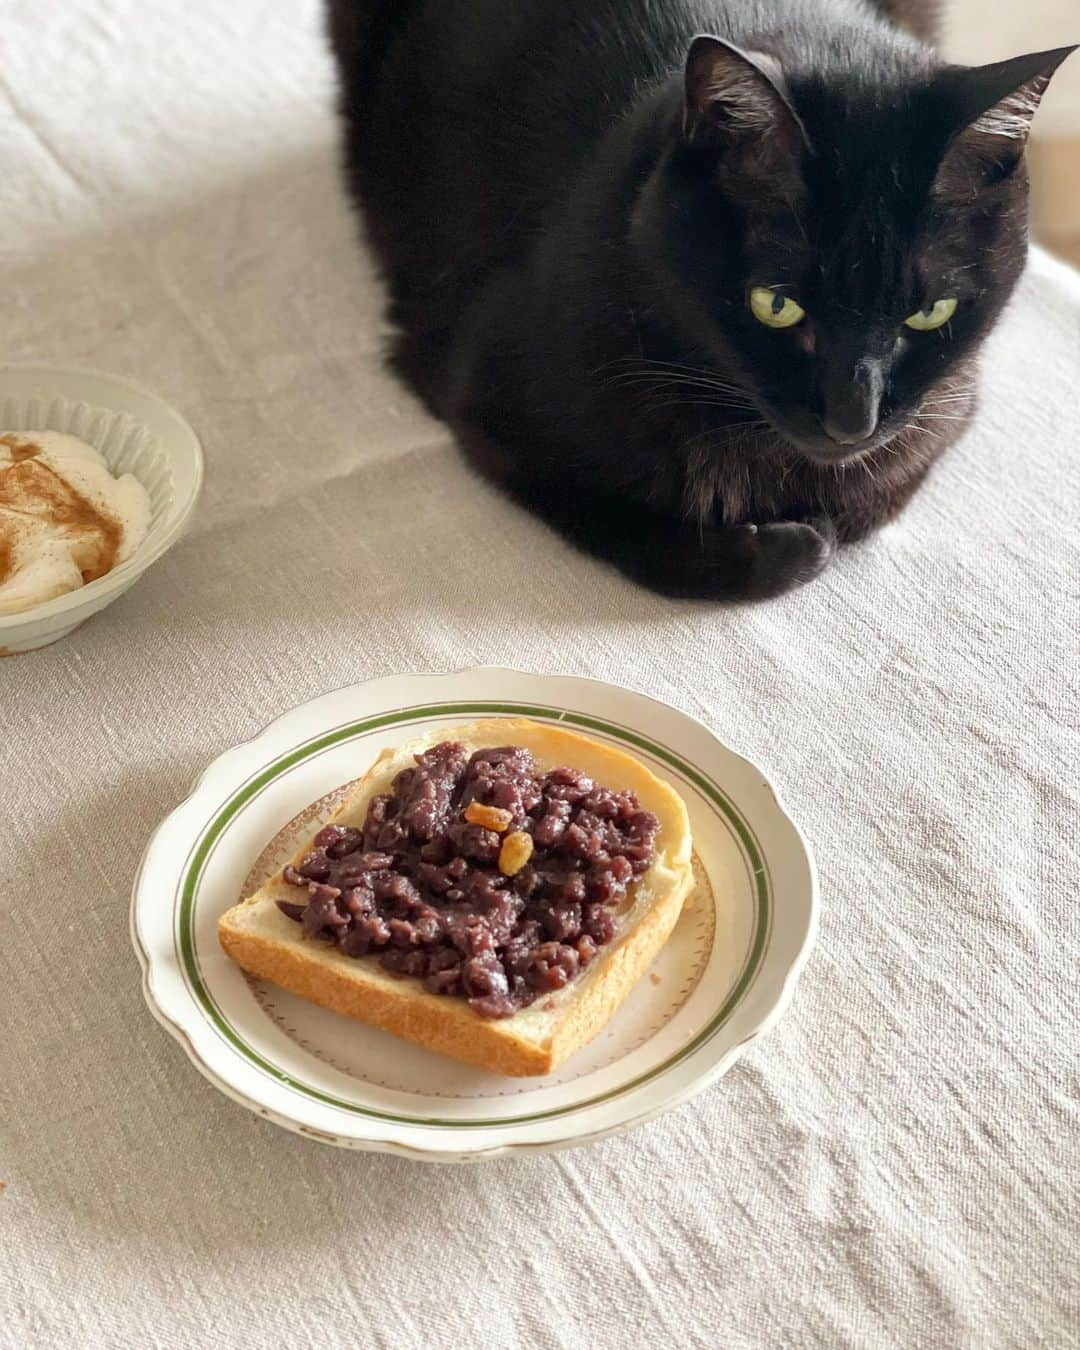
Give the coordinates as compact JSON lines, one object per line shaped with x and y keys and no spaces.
{"x":570,"y":216}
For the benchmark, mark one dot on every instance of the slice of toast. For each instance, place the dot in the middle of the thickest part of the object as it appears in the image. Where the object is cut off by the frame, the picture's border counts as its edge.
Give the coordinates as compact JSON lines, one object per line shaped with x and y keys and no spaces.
{"x":538,"y":1038}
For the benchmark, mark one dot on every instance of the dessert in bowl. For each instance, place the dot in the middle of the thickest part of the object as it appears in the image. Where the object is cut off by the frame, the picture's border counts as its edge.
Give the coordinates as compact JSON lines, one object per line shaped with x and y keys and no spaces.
{"x":98,"y":477}
{"x":65,"y":520}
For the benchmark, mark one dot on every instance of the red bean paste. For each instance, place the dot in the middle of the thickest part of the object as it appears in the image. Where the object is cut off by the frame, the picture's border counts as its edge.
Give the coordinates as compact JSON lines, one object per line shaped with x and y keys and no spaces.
{"x":482,"y":876}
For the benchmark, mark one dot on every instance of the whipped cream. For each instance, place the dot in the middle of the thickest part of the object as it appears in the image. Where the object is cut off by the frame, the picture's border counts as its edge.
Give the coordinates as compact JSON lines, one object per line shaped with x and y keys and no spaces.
{"x":64,"y":519}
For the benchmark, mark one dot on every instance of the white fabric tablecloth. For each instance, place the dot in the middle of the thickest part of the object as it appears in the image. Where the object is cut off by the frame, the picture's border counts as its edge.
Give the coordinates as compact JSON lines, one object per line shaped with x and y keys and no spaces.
{"x":896,"y":1165}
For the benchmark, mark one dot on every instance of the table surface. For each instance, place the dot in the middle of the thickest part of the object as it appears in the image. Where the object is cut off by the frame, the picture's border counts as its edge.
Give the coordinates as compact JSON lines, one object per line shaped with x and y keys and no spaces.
{"x":893,"y":1166}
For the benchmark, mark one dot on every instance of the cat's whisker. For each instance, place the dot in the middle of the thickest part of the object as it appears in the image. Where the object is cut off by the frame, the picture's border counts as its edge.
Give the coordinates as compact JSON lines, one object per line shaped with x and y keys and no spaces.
{"x":698,"y":403}
{"x":647,"y":363}
{"x":930,"y":424}
{"x":741,"y":431}
{"x":925,"y":430}
{"x":731,"y":430}
{"x":678,"y":386}
{"x":643,"y":372}
{"x":701,"y":389}
{"x":680,"y":382}
{"x":690,"y":394}
{"x":672,"y":381}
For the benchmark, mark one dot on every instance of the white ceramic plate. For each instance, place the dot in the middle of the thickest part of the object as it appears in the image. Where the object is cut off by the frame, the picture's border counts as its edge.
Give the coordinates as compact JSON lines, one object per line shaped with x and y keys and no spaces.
{"x":723,"y":979}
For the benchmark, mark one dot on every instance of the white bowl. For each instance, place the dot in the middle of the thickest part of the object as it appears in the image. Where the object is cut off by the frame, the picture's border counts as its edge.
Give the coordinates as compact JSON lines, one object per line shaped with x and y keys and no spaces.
{"x":138,"y":433}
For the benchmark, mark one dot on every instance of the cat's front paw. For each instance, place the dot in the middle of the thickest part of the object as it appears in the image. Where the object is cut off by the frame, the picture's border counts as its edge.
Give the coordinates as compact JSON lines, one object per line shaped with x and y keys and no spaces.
{"x":783,"y":554}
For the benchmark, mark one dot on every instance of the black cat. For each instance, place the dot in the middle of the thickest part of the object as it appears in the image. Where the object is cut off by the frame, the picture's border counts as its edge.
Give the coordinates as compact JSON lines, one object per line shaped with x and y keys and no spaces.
{"x":709,"y":304}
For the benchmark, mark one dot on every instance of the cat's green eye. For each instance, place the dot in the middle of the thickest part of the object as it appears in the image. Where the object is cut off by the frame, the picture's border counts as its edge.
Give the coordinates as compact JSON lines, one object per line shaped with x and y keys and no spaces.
{"x":775,"y":310}
{"x":937,"y":316}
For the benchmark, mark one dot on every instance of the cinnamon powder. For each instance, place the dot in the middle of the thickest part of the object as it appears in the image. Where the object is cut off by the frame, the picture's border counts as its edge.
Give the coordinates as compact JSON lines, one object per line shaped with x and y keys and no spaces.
{"x":30,"y":488}
{"x":20,"y":450}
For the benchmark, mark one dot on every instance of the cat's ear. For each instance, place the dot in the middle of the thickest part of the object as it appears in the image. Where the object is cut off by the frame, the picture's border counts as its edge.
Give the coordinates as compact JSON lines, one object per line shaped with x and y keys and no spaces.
{"x":994,"y":107}
{"x":737,"y":102}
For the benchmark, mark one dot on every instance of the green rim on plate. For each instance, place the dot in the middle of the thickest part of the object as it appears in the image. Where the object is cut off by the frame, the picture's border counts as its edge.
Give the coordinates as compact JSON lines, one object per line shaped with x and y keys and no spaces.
{"x":239,"y":799}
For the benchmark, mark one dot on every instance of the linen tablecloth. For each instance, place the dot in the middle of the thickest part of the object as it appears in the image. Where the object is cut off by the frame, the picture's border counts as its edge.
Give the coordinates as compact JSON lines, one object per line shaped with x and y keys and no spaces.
{"x":896,"y":1165}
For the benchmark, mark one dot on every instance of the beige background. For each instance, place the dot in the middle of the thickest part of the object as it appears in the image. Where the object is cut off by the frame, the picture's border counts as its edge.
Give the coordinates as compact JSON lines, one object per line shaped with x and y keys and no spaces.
{"x":989,"y":30}
{"x":980,"y":31}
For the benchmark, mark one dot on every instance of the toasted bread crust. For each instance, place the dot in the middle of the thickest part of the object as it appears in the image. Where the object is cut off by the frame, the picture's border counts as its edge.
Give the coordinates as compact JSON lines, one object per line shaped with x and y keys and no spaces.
{"x":445,"y":1024}
{"x":252,"y":935}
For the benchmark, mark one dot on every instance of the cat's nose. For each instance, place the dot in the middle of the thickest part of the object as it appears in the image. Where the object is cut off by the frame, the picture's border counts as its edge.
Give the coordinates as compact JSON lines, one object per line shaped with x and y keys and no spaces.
{"x":851,"y":399}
